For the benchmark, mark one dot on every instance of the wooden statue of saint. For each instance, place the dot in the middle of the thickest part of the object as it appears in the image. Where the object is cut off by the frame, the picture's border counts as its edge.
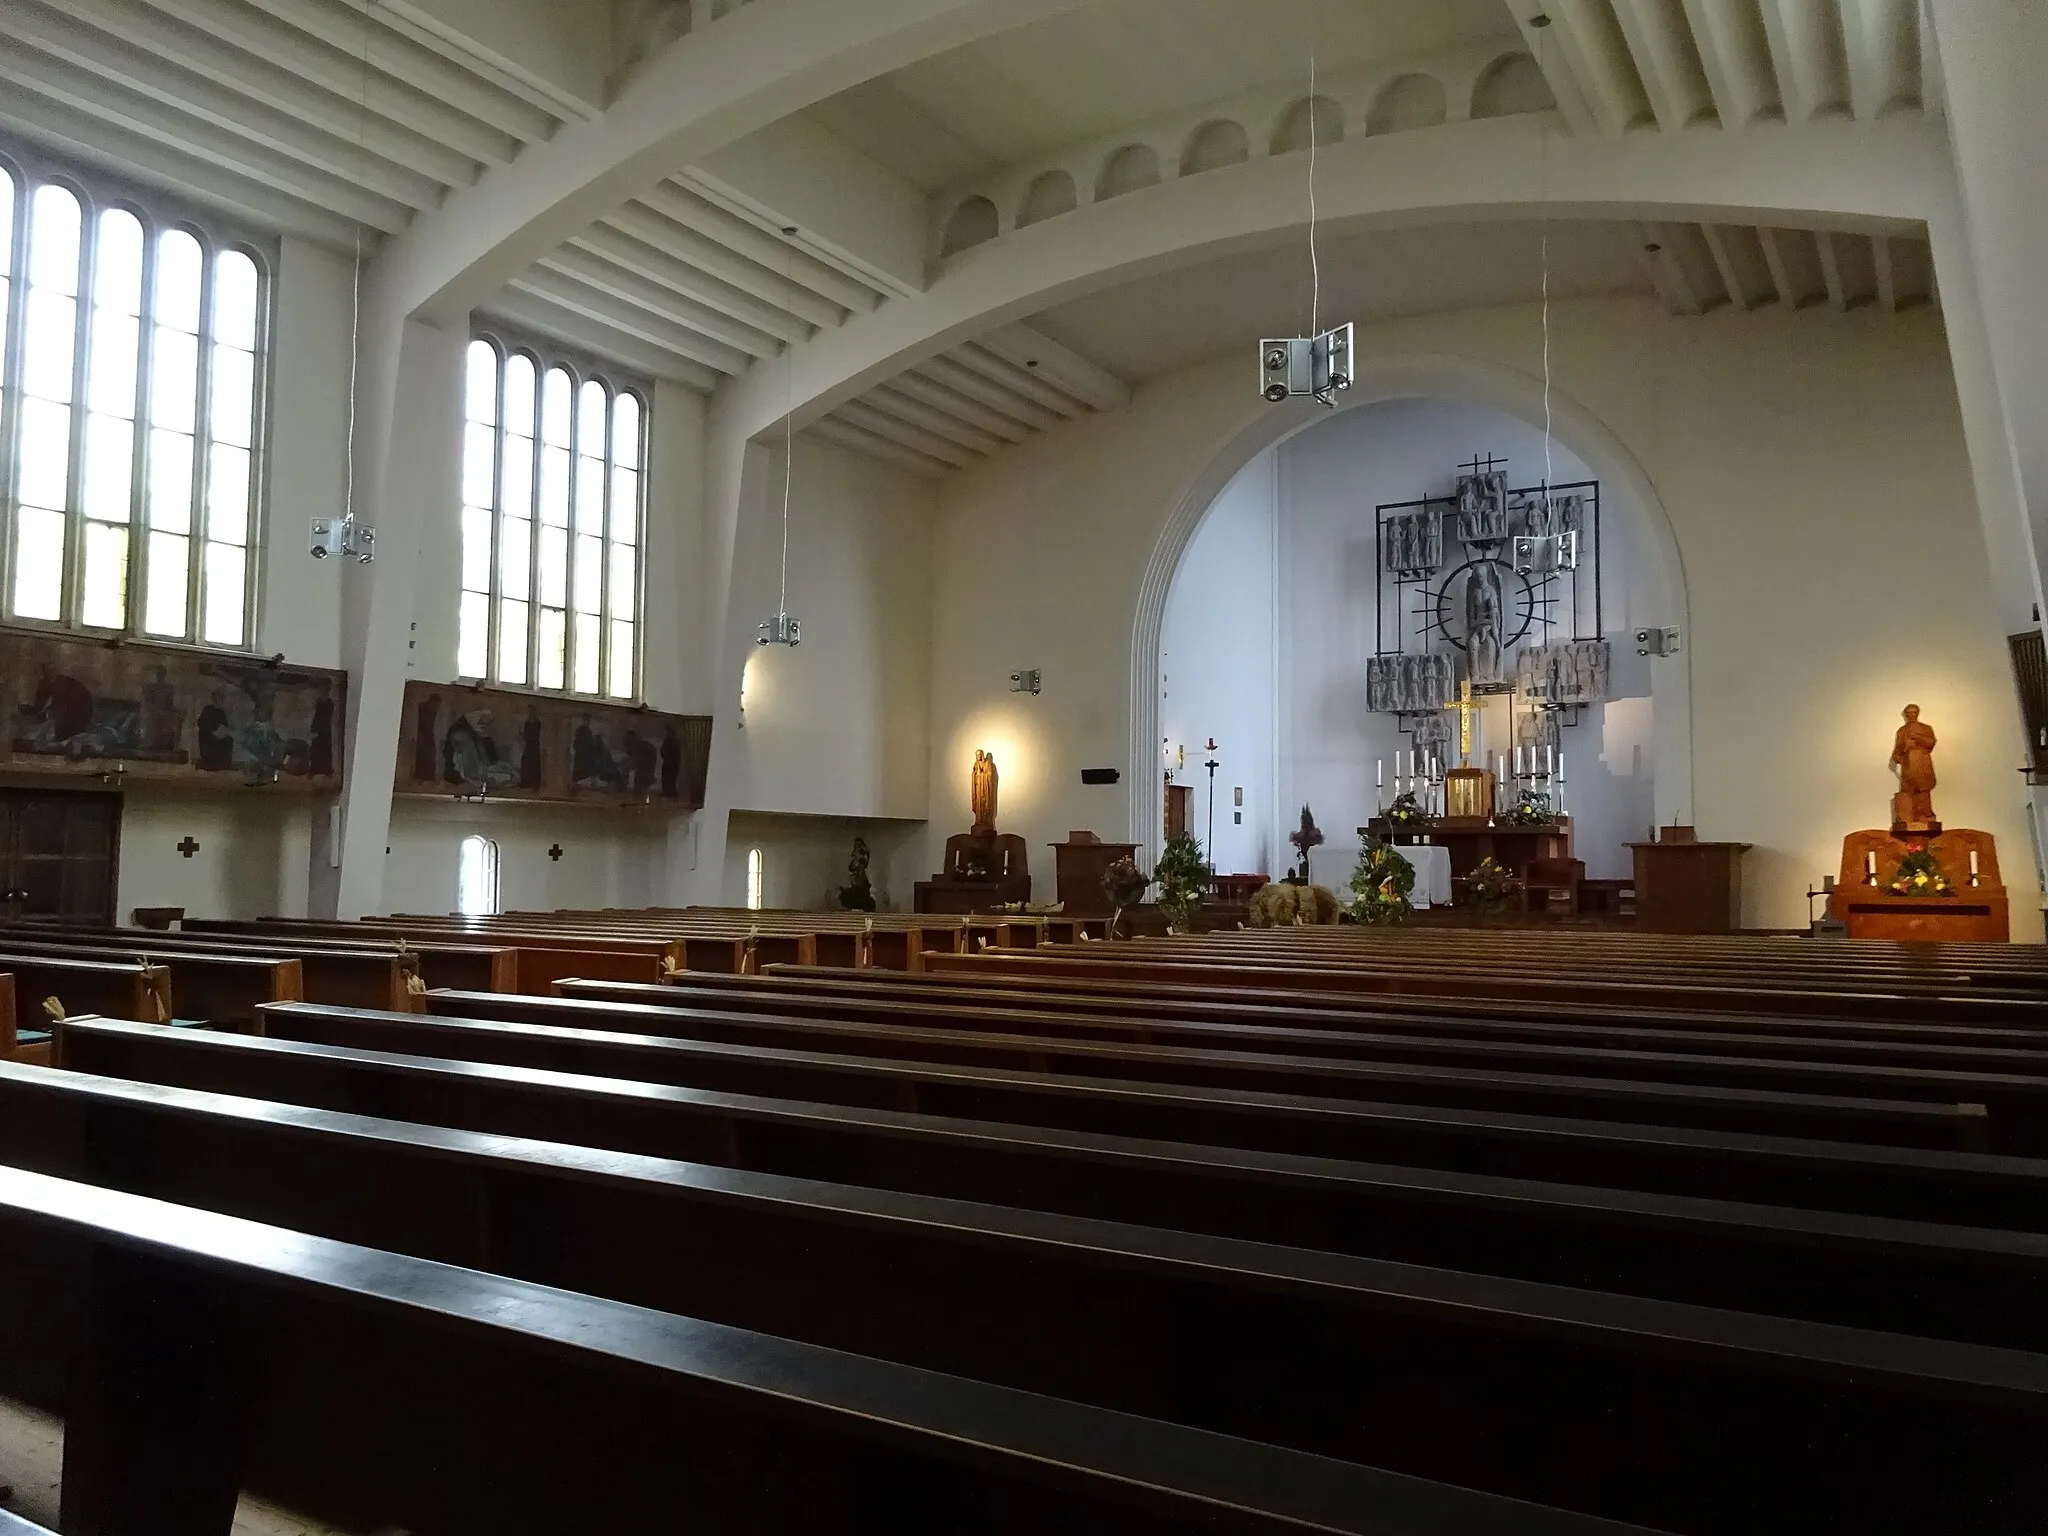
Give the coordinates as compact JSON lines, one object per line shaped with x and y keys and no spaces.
{"x":1913,"y":761}
{"x":982,"y":793}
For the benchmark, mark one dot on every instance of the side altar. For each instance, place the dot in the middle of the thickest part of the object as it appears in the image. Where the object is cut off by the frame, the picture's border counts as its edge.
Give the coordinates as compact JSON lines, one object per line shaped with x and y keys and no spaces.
{"x":984,"y":868}
{"x":1474,"y":839}
{"x":1918,"y":880}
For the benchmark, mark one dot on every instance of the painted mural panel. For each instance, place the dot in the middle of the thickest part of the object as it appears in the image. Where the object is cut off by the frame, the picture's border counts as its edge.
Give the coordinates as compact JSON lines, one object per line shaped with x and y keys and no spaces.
{"x":458,"y":740}
{"x":207,"y":719}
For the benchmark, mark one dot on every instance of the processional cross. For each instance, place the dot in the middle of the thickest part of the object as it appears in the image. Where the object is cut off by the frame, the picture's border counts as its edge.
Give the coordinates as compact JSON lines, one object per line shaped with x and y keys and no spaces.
{"x":1467,"y":707}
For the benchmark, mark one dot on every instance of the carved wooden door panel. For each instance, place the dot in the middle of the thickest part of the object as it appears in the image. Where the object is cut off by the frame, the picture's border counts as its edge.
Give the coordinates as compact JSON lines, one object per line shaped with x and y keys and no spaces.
{"x":58,"y":854}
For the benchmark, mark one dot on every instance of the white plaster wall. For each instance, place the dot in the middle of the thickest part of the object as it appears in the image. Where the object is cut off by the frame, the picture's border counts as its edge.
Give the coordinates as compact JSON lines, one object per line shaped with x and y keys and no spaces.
{"x":251,"y":860}
{"x":1217,"y":674}
{"x":1814,"y":473}
{"x":804,"y":858}
{"x":610,"y":858}
{"x":836,"y":726}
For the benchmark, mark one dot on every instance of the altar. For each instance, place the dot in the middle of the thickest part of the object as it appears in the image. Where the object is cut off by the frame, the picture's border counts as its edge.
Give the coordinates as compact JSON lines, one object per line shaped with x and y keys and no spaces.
{"x":1468,"y":841}
{"x":1432,"y":864}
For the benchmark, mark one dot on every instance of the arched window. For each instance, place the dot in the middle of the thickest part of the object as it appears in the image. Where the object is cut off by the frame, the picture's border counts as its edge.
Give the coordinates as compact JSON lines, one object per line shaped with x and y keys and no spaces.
{"x":551,"y":518}
{"x":476,"y":878}
{"x":756,"y":879}
{"x":140,"y":356}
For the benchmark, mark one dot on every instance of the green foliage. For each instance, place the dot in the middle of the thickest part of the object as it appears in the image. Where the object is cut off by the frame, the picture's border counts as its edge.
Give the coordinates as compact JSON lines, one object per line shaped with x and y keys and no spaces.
{"x":1406,"y":812}
{"x":1182,"y":874}
{"x":1487,"y":886}
{"x":1381,"y":884}
{"x":1919,"y":875}
{"x":1531,"y":810}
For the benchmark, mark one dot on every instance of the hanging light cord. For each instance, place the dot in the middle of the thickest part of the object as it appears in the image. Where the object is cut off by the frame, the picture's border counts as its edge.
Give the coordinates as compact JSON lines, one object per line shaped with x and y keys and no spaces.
{"x":355,"y":319}
{"x":1543,"y":180}
{"x":1315,"y":265}
{"x":788,"y":425}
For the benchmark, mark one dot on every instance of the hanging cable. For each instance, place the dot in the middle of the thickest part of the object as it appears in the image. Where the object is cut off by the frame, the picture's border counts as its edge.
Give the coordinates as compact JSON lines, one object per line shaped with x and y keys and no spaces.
{"x":1315,"y":265}
{"x":788,"y":422}
{"x":1543,"y":180}
{"x":355,"y":322}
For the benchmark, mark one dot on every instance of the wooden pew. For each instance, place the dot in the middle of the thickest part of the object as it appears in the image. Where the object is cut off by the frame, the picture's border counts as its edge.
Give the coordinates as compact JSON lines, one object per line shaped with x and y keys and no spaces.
{"x":1384,"y":1070}
{"x":1226,"y":1190}
{"x":1316,"y":1125}
{"x":1313,"y":1357}
{"x":212,"y":987}
{"x":17,"y":1044}
{"x":194,"y":1353}
{"x":367,"y":974}
{"x":488,"y":1202}
{"x":542,"y":958}
{"x":1305,"y":1009}
{"x":472,"y":967}
{"x":1082,"y":965}
{"x":789,"y":994}
{"x":45,"y":985}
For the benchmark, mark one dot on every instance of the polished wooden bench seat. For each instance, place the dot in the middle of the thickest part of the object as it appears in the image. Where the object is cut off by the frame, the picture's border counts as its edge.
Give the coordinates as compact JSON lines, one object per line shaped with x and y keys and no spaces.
{"x":45,"y":984}
{"x":1286,"y":1122}
{"x":1115,"y":1176}
{"x":1313,"y":1351}
{"x":2013,"y":1088}
{"x":194,"y":1353}
{"x":600,"y":1220}
{"x":473,"y":967}
{"x":215,"y":987}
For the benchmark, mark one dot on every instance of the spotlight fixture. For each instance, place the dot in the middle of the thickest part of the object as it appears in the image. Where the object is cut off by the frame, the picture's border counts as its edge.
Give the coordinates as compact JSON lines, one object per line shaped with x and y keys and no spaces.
{"x":780,"y":630}
{"x":1299,"y":367}
{"x":1026,"y":682}
{"x":1658,"y":642}
{"x":343,"y":536}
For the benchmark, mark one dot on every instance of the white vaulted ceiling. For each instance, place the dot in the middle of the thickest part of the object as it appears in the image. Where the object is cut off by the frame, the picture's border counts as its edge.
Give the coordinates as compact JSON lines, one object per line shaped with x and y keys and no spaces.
{"x":311,"y":117}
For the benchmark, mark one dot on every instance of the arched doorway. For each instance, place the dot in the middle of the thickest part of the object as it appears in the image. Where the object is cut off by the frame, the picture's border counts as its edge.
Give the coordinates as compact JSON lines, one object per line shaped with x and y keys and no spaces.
{"x":1658,"y":581}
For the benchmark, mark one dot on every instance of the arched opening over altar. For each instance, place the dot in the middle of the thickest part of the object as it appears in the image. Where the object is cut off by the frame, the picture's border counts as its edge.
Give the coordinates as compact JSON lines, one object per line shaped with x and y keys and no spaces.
{"x":1326,"y":596}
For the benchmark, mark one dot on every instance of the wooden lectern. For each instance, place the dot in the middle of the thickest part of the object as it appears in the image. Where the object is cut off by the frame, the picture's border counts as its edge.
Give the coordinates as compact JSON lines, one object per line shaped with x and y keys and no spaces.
{"x":1684,"y":886}
{"x":1080,"y":863}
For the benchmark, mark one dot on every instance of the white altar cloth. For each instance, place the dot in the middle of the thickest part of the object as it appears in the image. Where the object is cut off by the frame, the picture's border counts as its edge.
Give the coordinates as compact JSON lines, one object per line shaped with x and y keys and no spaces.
{"x":1432,"y":863}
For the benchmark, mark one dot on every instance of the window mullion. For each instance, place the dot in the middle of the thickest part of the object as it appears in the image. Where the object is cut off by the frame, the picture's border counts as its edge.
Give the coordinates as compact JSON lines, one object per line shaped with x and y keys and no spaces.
{"x":533,"y":537}
{"x":202,"y":455}
{"x":493,"y":588}
{"x":13,"y":367}
{"x":71,"y":602}
{"x":138,"y":488}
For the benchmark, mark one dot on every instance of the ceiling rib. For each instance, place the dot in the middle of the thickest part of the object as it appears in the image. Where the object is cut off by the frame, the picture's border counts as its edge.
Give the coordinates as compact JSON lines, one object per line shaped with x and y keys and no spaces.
{"x":893,"y":403}
{"x":832,"y":430}
{"x":1666,"y":60}
{"x":772,"y":251}
{"x":542,"y":316}
{"x":950,"y":374}
{"x":662,"y":302}
{"x":687,"y":248}
{"x":629,"y":255}
{"x":869,"y":419}
{"x":570,"y":294}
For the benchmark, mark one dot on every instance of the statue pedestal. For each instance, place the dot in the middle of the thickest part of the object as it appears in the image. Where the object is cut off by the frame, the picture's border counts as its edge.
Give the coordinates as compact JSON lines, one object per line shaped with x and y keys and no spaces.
{"x":1970,"y":914}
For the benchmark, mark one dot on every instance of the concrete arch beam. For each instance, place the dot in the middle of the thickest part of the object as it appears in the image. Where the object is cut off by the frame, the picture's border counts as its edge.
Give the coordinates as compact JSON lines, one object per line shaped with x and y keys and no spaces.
{"x":1407,"y":377}
{"x":1886,"y":177}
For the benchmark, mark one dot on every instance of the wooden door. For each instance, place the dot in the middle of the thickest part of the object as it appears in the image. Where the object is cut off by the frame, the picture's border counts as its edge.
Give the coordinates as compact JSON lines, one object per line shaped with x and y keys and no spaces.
{"x":58,"y":854}
{"x":1179,"y":798}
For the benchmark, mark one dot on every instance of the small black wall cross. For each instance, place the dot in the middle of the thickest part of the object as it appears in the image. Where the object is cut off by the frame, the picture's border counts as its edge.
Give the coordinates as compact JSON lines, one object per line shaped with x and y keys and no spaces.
{"x":188,"y":847}
{"x":555,"y":853}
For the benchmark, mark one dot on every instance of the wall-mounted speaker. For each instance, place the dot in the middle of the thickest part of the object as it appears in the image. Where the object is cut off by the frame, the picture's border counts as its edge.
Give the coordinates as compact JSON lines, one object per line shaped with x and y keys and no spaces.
{"x":1101,"y":776}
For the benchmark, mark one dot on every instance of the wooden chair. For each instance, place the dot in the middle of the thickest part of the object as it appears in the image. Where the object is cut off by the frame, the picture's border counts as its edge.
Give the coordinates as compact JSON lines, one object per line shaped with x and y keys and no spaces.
{"x":1553,"y":885}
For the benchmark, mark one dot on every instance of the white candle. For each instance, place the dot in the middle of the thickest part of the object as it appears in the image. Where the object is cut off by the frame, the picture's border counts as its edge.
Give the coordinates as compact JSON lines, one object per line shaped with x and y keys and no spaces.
{"x":1550,"y":759}
{"x":1379,"y":773}
{"x":1870,"y":864}
{"x":1973,"y":866}
{"x":1560,"y":767}
{"x":1518,"y":761}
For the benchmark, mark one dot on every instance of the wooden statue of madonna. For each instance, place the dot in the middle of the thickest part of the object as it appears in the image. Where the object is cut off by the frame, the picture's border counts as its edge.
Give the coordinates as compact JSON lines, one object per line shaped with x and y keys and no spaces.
{"x":1913,"y":761}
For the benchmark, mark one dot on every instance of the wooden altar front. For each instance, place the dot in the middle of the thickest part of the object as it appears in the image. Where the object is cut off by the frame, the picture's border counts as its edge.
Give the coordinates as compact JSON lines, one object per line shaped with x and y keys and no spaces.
{"x":1472,"y":839}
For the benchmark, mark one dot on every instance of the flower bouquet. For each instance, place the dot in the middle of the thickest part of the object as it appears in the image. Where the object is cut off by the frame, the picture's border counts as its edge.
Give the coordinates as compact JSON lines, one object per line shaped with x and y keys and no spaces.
{"x":1531,"y":810}
{"x":1488,"y":887}
{"x":1381,"y":884}
{"x":1919,"y":875}
{"x":1406,"y":814}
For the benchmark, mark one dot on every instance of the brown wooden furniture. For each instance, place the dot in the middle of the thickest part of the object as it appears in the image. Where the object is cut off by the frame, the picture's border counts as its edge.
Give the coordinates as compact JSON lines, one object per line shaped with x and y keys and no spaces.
{"x":1689,"y":887}
{"x":59,"y":853}
{"x":983,"y":871}
{"x":1180,"y":802}
{"x":1552,"y":885}
{"x":1976,"y":910}
{"x":1080,"y":863}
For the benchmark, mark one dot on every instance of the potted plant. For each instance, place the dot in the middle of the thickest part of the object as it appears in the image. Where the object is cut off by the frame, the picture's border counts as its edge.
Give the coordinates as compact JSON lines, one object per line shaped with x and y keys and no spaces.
{"x":1124,"y":885}
{"x":1183,"y":875}
{"x":1381,"y":884}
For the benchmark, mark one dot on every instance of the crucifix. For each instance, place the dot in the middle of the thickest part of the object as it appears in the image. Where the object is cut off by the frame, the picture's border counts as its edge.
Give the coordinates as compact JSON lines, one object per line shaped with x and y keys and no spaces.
{"x":1467,"y":707}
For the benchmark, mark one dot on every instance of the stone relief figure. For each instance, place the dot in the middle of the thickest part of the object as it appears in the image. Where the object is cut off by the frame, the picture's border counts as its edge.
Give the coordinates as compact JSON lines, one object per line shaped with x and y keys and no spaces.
{"x":1483,"y":508}
{"x":1483,"y":607}
{"x":982,"y":793}
{"x":1542,"y":516}
{"x":1913,"y":761}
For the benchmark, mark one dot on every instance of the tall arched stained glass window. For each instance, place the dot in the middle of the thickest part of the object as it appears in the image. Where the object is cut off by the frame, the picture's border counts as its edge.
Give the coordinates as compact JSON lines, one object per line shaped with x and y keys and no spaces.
{"x":551,"y":517}
{"x":137,"y":345}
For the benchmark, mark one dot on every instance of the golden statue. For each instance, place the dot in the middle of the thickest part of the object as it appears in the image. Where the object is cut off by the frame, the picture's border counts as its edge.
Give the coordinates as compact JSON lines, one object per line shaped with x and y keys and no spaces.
{"x":982,"y":793}
{"x":1913,"y":761}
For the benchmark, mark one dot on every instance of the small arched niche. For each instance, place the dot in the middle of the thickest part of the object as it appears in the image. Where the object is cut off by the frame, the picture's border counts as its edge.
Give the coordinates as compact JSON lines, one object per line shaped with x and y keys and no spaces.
{"x":1130,"y":169}
{"x":1510,"y":86}
{"x":1049,"y":195}
{"x":1312,"y":120}
{"x":973,"y":223}
{"x":1215,"y":145}
{"x":1411,"y":101}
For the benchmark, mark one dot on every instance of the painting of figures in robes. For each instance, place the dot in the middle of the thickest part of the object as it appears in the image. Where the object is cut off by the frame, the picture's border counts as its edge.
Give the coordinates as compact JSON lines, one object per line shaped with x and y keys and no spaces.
{"x":458,"y":740}
{"x":162,"y":712}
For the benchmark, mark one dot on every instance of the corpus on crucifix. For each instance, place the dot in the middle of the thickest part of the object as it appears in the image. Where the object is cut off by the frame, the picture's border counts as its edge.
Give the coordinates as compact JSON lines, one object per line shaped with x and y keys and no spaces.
{"x":1468,"y":791}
